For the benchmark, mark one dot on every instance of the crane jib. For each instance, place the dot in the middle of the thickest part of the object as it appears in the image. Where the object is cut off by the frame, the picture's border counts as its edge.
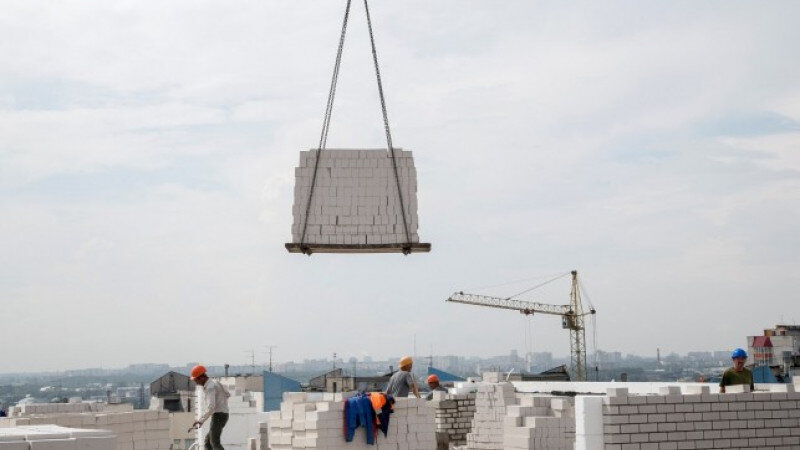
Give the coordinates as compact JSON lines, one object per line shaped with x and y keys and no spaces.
{"x":571,"y":316}
{"x":505,"y":303}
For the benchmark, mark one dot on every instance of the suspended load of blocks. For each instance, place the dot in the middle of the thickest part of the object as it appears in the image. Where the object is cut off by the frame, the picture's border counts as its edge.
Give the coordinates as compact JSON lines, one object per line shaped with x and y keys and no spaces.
{"x":356,"y":205}
{"x":355,"y":201}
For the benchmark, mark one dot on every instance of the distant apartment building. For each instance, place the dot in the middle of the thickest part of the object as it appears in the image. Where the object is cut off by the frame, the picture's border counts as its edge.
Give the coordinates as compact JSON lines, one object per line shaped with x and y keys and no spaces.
{"x":700,"y":356}
{"x":146,"y":368}
{"x":542,"y":358}
{"x":722,"y":355}
{"x":609,"y":357}
{"x":777,"y":346}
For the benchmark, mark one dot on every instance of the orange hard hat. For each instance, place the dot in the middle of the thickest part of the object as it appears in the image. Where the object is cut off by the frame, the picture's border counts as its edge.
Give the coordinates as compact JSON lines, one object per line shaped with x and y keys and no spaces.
{"x":405,"y":361}
{"x":197,"y":371}
{"x":433,"y":379}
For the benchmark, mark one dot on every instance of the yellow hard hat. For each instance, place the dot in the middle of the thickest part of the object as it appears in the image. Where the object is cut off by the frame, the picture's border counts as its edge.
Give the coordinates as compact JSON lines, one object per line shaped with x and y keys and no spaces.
{"x":405,"y":361}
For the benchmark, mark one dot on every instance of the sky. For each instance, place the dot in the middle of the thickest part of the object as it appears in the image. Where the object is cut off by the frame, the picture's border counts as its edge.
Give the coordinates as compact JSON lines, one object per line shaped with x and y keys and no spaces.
{"x":147,"y":154}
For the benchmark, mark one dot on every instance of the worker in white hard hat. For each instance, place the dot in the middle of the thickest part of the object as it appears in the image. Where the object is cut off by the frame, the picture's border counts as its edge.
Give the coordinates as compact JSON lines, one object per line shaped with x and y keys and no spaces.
{"x":403,"y":380}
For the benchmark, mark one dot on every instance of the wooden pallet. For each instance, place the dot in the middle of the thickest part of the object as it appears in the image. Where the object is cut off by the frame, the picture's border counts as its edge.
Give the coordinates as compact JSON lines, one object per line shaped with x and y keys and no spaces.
{"x":357,"y":248}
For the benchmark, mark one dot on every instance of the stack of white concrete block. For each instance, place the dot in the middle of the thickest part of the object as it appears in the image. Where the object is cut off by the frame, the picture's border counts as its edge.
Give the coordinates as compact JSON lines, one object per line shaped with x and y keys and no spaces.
{"x":466,"y":387}
{"x":491,"y":401}
{"x":308,"y":421}
{"x":243,"y":419}
{"x":539,"y":422}
{"x":453,"y":415}
{"x":28,"y":409}
{"x":695,"y":418}
{"x":355,"y":198}
{"x":508,"y":420}
{"x":50,"y":437}
{"x":499,"y":377}
{"x":135,"y":430}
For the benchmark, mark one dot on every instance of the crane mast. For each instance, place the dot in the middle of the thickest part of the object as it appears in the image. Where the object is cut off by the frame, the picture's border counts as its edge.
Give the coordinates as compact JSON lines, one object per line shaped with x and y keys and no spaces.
{"x":572,"y":318}
{"x":577,"y":332}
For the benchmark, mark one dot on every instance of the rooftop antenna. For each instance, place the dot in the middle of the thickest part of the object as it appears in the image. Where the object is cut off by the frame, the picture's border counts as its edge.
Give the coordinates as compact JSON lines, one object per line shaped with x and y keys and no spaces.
{"x":269,"y":349}
{"x":415,"y":347}
{"x":334,"y":360}
{"x":141,"y":395}
{"x":253,"y":361}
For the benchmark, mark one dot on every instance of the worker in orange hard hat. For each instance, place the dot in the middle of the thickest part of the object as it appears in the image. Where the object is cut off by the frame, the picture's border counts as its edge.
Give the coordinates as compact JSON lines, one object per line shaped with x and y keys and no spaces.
{"x":403,"y":380}
{"x":433,"y":385}
{"x":215,"y":399}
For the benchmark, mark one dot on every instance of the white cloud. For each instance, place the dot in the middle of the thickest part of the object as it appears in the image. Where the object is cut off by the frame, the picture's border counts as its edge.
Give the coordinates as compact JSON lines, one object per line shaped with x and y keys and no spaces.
{"x":148,"y":148}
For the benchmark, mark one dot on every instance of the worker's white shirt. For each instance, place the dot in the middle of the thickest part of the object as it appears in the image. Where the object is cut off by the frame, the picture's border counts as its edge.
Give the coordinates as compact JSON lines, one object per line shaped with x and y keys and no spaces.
{"x":215,"y":398}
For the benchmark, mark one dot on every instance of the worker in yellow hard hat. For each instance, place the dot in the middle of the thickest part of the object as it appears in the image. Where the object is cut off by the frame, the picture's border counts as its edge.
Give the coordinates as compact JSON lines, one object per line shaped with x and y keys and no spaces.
{"x":215,"y":398}
{"x":403,"y":380}
{"x":433,"y":385}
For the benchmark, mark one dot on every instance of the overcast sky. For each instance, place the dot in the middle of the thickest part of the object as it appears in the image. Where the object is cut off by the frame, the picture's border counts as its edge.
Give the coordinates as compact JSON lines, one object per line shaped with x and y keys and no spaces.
{"x":147,"y":154}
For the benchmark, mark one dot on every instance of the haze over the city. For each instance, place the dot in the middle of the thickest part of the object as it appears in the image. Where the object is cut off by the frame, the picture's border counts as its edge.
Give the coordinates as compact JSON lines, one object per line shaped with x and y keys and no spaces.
{"x":147,"y":154}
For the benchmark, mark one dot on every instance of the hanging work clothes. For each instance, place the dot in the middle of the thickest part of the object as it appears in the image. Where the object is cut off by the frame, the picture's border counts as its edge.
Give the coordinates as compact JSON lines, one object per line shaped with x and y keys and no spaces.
{"x":358,"y":412}
{"x":382,"y":405}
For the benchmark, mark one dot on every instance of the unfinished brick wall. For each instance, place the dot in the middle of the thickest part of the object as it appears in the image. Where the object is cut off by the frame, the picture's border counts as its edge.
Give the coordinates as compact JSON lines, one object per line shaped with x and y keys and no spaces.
{"x":51,"y":437}
{"x":698,"y":419}
{"x":505,"y":419}
{"x":453,"y":414}
{"x":309,"y":421}
{"x":135,"y":430}
{"x":539,"y":422}
{"x":355,"y":198}
{"x":28,"y":409}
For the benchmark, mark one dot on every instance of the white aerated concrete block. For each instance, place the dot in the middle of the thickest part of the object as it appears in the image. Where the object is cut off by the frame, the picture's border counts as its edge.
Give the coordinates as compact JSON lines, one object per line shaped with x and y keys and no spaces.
{"x":617,"y":392}
{"x":14,"y":445}
{"x":781,"y":387}
{"x":669,"y":390}
{"x":737,"y":389}
{"x":54,"y":444}
{"x":588,"y":423}
{"x":696,"y":389}
{"x":96,"y":442}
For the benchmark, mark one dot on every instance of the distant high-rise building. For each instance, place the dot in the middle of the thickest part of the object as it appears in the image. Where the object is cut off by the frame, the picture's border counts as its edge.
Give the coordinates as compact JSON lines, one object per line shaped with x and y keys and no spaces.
{"x":542,"y":358}
{"x":608,"y":357}
{"x":722,"y":355}
{"x":700,"y":356}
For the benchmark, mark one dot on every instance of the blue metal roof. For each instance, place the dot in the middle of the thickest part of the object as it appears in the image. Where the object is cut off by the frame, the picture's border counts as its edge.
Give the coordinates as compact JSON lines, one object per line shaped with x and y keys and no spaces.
{"x":444,"y":376}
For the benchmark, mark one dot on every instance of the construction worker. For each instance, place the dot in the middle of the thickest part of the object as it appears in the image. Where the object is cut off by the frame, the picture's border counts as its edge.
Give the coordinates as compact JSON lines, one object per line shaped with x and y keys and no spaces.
{"x":737,"y":374}
{"x":403,"y":380}
{"x":216,"y":407}
{"x":433,"y":385}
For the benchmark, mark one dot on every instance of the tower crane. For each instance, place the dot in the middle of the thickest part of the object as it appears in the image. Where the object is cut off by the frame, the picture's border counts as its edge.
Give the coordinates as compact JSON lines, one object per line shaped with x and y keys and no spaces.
{"x":572,"y":316}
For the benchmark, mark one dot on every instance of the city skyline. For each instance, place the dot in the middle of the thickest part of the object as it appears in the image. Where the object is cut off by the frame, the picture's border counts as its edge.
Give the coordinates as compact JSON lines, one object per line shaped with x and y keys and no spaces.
{"x":240,"y":367}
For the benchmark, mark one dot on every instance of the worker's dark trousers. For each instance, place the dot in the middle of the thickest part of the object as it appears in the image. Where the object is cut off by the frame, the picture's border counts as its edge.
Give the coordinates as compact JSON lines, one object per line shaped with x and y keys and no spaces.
{"x":218,"y":421}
